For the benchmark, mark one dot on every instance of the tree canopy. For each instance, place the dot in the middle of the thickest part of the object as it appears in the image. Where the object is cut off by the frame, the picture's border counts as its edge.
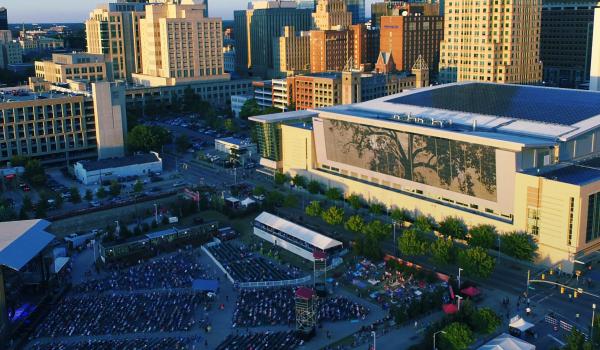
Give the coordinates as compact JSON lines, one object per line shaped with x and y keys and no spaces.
{"x":519,"y":245}
{"x":412,"y":243}
{"x":483,"y":236}
{"x":476,"y":262}
{"x":144,"y":138}
{"x":333,"y":215}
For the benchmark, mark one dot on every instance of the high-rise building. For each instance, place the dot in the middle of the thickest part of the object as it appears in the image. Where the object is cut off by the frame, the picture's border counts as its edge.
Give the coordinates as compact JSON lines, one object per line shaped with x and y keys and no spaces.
{"x":397,"y":7}
{"x":180,"y":45}
{"x":3,"y":18}
{"x":412,"y":34}
{"x":205,"y":3}
{"x":357,"y":7}
{"x":113,"y":30}
{"x":307,"y":4}
{"x":331,"y":14}
{"x":65,"y":124}
{"x":566,"y":41}
{"x":595,"y":65}
{"x":331,"y":50}
{"x":478,"y":45}
{"x":74,"y":66}
{"x":292,"y":53}
{"x":366,"y":46}
{"x":257,"y":28}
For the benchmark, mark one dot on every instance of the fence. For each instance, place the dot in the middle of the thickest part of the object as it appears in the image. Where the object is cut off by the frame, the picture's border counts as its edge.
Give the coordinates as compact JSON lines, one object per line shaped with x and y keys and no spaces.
{"x":562,"y":324}
{"x":258,"y":284}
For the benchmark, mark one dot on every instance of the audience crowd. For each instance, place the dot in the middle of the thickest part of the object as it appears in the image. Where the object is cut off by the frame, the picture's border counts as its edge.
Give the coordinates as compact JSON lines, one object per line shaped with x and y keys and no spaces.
{"x":256,"y":341}
{"x":276,"y":306}
{"x":171,"y":271}
{"x":246,"y":266}
{"x":117,"y":314}
{"x":133,"y":344}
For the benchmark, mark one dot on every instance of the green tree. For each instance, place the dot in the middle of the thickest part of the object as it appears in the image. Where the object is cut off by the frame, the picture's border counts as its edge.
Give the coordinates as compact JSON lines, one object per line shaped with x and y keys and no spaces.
{"x":18,"y":161}
{"x":483,"y":236}
{"x":230,"y":125}
{"x":291,"y":201}
{"x":182,"y":143}
{"x":423,"y":223}
{"x":412,"y":243}
{"x":259,"y":190}
{"x":314,"y":209}
{"x":378,"y":229}
{"x":519,"y":245}
{"x":144,"y":138}
{"x":333,"y":215}
{"x":576,"y":341}
{"x":34,"y":172}
{"x":333,"y":194}
{"x":274,"y":199}
{"x":75,"y":195}
{"x":314,"y":187}
{"x":453,"y":227}
{"x":23,"y":214}
{"x":89,"y":195}
{"x":400,"y":215}
{"x":7,"y":214}
{"x":476,"y":262}
{"x":355,"y":201}
{"x":280,"y":178}
{"x":442,"y":251}
{"x":27,"y":203}
{"x":101,"y":192}
{"x":456,"y":336}
{"x":115,"y":188}
{"x":377,"y":208}
{"x":41,"y":208}
{"x":485,"y":320}
{"x":299,"y":181}
{"x":138,"y":186}
{"x":355,"y":223}
{"x":250,"y":109}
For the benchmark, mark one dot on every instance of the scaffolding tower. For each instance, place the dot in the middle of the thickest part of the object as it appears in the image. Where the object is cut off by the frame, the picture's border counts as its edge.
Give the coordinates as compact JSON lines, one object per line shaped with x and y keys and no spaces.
{"x":320,"y":273}
{"x":305,"y":312}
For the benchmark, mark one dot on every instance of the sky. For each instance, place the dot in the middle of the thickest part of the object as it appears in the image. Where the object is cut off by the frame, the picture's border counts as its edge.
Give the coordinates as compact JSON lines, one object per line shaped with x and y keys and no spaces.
{"x":66,"y":11}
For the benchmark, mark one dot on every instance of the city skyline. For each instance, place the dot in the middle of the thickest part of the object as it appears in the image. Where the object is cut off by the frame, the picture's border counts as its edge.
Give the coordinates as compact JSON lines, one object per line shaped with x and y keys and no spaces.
{"x":75,"y":12}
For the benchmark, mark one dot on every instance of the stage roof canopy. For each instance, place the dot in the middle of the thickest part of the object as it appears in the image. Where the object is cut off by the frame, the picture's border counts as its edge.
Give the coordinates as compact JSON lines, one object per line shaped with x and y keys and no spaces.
{"x":21,"y":241}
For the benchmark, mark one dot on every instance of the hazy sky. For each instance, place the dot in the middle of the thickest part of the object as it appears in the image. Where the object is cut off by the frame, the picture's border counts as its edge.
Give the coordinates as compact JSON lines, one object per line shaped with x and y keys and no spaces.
{"x":44,"y":11}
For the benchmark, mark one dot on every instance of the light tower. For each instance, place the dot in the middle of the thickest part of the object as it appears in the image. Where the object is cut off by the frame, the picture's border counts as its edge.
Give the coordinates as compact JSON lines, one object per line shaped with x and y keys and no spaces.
{"x":320,"y":272}
{"x":305,"y":313}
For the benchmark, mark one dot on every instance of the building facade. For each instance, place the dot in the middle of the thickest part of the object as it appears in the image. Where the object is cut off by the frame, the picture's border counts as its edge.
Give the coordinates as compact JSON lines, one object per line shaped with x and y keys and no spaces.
{"x":90,"y":172}
{"x":256,"y":30}
{"x":531,"y":167}
{"x":331,"y":14}
{"x":63,"y":125}
{"x":74,"y":66}
{"x":478,"y":47}
{"x":331,"y":50}
{"x":237,"y":103}
{"x":397,"y":7}
{"x":114,"y":30}
{"x":180,"y":45}
{"x":411,"y":35}
{"x":3,"y":18}
{"x":566,"y":41}
{"x":357,"y":8}
{"x":291,"y":53}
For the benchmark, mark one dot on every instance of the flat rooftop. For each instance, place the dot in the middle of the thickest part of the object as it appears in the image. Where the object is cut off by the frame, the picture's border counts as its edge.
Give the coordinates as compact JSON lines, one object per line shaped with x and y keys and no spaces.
{"x":92,"y":165}
{"x":577,"y":174}
{"x":545,"y":105}
{"x":21,"y":95}
{"x":539,"y":112}
{"x":235,"y":141}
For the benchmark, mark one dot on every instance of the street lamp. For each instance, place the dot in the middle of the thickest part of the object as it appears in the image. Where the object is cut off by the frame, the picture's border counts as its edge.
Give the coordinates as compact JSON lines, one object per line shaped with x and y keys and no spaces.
{"x":156,"y":213}
{"x":459,"y":270}
{"x":395,"y":243}
{"x":374,"y":340}
{"x":434,"y":334}
{"x":459,"y":298}
{"x":593,"y":316}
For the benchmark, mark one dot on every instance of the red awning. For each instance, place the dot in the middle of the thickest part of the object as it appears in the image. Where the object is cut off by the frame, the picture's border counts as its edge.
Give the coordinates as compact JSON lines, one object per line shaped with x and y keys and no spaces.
{"x":304,"y":293}
{"x":470,"y":292}
{"x":450,"y":309}
{"x":319,"y":255}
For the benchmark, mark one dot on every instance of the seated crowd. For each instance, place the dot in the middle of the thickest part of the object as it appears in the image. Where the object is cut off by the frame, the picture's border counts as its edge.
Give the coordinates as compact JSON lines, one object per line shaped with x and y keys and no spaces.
{"x":276,"y":306}
{"x":246,"y":266}
{"x":129,"y":344}
{"x":117,"y":314}
{"x":256,"y":341}
{"x":171,"y":271}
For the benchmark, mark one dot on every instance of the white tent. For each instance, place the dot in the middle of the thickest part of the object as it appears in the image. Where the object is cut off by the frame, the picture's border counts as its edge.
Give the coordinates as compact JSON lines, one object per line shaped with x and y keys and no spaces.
{"x":507,"y":342}
{"x":247,"y":202}
{"x":519,"y":323}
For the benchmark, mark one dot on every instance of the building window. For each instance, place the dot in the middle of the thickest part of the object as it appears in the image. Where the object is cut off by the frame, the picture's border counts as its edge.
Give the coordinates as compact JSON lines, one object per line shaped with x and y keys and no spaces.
{"x":593,"y":219}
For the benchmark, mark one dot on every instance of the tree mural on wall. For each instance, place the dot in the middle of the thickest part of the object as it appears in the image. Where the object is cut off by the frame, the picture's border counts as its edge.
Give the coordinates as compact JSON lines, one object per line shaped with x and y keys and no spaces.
{"x":458,"y":166}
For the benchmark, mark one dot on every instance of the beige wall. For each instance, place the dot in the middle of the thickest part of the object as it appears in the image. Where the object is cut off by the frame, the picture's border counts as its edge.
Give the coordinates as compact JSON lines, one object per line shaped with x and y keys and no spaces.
{"x":554,"y":213}
{"x":110,"y":119}
{"x":496,"y":42}
{"x":330,"y":14}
